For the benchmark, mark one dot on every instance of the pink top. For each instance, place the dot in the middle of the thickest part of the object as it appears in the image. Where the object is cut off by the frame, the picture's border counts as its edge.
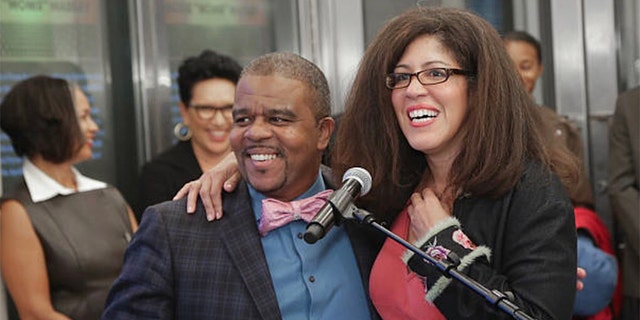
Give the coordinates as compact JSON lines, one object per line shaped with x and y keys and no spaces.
{"x":396,"y":292}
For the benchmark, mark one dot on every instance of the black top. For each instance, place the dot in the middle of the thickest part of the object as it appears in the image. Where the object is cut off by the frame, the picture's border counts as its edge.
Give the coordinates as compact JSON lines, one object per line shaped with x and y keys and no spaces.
{"x":163,"y":176}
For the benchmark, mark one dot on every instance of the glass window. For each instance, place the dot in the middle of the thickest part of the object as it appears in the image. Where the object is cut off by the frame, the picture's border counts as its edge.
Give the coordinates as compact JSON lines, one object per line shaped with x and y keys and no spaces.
{"x":378,"y":12}
{"x":61,"y":39}
{"x":175,"y":29}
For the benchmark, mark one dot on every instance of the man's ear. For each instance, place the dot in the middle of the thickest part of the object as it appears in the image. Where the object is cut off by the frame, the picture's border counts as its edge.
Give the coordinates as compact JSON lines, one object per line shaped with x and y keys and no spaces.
{"x":325,"y":126}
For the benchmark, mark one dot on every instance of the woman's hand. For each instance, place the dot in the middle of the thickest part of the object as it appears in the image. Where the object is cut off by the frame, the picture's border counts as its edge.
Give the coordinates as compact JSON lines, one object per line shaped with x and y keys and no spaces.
{"x":580,"y":274}
{"x":425,"y":211}
{"x":209,"y":186}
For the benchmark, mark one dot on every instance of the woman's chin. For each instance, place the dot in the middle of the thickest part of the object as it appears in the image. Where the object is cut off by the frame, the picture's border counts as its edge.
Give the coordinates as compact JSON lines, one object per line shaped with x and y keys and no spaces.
{"x":83,"y":156}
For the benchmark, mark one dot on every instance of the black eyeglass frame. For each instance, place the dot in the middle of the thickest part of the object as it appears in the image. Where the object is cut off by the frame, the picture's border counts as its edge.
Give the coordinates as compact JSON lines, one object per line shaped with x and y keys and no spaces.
{"x":202,"y":109}
{"x":447,"y":71}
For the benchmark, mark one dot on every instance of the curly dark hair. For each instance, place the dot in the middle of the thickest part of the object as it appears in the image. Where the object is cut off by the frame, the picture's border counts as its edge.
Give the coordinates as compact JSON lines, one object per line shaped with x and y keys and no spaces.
{"x":208,"y":65}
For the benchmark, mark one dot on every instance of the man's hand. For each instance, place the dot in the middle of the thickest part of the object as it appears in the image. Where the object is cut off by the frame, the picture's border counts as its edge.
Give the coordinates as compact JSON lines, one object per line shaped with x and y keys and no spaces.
{"x":209,"y":186}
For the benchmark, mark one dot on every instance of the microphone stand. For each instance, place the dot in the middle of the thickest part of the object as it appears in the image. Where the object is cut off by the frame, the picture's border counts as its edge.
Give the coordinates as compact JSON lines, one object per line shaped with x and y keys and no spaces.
{"x":445,"y":266}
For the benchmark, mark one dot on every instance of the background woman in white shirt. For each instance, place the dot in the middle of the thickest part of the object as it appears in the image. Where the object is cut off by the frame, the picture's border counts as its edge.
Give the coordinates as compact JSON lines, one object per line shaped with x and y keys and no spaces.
{"x":63,"y":235}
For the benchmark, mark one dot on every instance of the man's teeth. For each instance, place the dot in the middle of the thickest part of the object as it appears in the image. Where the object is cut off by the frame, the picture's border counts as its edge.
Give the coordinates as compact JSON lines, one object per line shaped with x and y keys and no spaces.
{"x":422,"y":115}
{"x":262,"y":157}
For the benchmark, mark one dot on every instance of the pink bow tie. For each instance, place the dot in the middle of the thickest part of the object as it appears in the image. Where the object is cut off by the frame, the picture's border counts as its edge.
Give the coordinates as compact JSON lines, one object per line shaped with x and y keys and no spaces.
{"x":276,"y":214}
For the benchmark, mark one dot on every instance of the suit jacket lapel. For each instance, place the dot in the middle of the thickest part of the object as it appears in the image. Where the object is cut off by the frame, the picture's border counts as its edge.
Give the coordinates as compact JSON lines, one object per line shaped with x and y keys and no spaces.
{"x":243,"y":243}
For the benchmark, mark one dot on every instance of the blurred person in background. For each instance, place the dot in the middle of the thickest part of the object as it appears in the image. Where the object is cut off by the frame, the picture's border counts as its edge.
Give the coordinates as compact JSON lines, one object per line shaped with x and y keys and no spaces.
{"x":624,"y":177}
{"x":63,"y":235}
{"x":207,"y":85}
{"x":596,"y":255}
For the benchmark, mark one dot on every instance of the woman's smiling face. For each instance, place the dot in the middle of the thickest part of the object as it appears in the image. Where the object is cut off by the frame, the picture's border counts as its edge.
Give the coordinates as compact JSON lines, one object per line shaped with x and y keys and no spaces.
{"x":430,"y":116}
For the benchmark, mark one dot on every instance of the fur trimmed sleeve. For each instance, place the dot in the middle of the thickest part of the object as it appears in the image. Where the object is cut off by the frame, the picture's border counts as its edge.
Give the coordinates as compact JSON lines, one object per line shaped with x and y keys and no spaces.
{"x":445,"y":241}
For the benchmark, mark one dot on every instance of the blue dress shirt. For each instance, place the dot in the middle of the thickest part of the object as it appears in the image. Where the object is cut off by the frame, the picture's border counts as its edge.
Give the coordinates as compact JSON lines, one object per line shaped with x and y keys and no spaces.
{"x":318,"y":281}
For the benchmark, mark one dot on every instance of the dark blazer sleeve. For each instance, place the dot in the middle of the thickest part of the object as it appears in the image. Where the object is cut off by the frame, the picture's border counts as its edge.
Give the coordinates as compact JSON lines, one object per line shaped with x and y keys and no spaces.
{"x":144,"y":288}
{"x":624,"y":166}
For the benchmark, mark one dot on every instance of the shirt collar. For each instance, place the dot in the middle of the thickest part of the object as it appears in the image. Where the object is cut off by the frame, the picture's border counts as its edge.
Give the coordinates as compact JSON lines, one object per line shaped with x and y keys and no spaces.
{"x":42,"y":187}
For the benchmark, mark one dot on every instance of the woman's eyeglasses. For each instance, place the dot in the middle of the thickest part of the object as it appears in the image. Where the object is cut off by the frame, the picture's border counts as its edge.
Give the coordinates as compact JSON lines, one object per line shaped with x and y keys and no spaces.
{"x":208,"y":112}
{"x":425,"y":77}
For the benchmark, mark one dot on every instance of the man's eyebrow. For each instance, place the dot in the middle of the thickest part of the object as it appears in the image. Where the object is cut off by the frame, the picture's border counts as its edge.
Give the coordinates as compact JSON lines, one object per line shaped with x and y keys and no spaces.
{"x":281,"y":112}
{"x":239,"y":111}
{"x":270,"y":112}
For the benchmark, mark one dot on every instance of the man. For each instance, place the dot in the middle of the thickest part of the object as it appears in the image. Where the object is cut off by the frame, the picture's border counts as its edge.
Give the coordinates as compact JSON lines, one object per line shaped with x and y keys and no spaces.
{"x":624,"y":177}
{"x":182,"y":267}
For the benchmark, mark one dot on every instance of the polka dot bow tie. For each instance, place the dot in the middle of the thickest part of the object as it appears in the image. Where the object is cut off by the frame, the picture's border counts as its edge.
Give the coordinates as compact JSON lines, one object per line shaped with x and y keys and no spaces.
{"x":276,"y":214}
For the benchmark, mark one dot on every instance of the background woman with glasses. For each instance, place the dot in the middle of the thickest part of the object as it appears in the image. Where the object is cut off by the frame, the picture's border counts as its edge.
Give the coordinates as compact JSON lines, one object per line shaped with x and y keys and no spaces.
{"x":207,"y":86}
{"x":438,"y":115}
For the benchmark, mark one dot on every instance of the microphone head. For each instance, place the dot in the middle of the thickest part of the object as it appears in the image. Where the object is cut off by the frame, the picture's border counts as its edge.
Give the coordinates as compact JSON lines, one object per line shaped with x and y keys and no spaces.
{"x":362,"y":176}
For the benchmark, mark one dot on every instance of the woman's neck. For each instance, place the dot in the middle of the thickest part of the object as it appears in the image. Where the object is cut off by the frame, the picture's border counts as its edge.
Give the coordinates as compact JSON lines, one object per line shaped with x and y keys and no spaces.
{"x":439,"y":168}
{"x":440,"y":163}
{"x":205,"y":159}
{"x":60,"y":172}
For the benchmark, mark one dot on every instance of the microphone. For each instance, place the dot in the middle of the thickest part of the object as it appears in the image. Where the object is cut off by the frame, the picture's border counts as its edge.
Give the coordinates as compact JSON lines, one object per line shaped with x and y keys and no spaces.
{"x":356,"y":183}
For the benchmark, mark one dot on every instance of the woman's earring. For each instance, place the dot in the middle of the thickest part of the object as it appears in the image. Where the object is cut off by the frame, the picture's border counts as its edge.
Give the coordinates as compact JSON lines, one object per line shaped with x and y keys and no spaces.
{"x":182,"y":132}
